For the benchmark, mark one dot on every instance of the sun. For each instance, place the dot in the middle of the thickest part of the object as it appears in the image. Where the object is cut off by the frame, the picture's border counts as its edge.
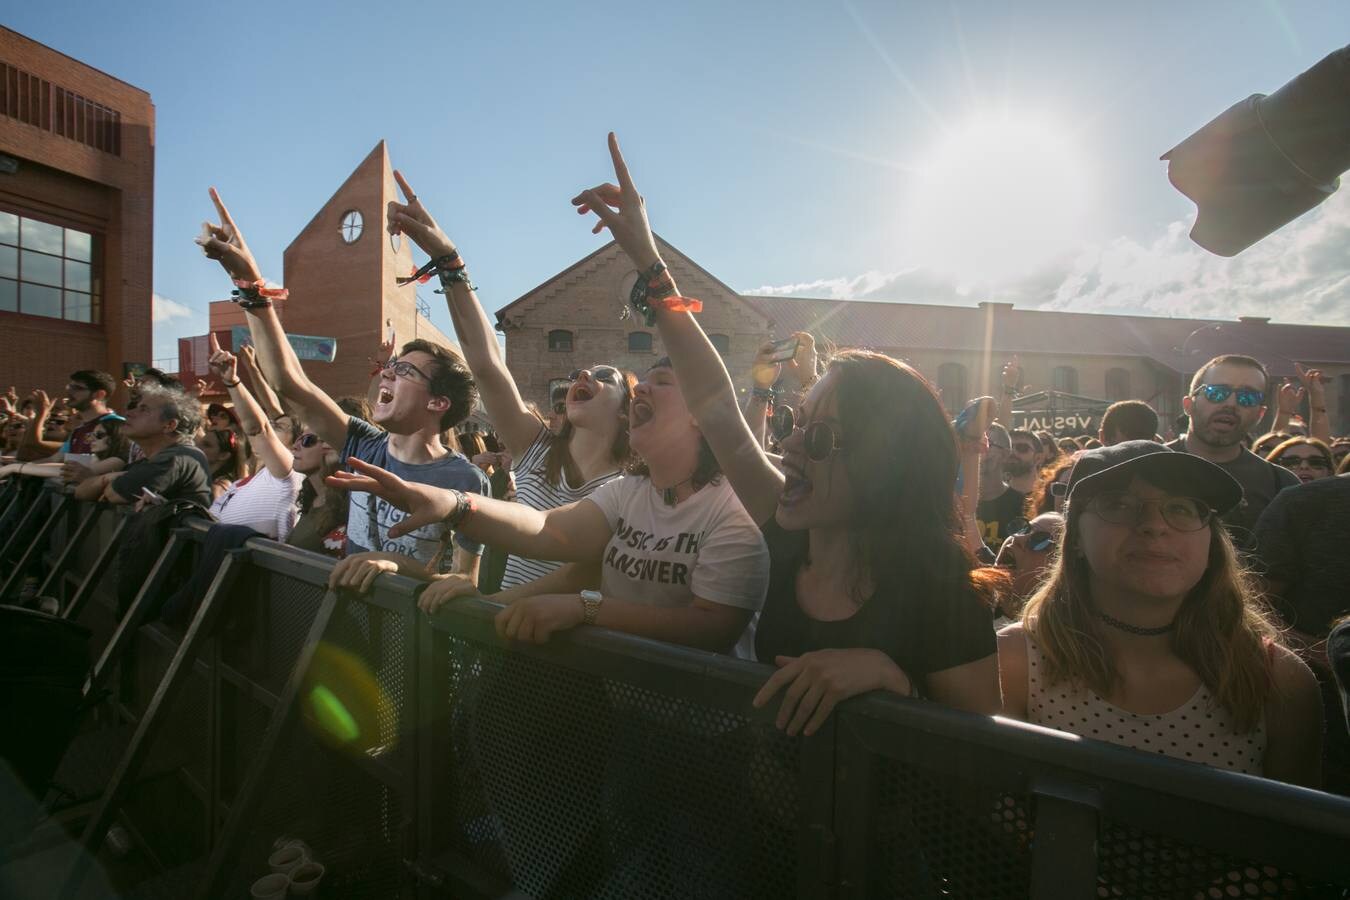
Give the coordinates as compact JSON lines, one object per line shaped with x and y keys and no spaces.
{"x":997,"y":198}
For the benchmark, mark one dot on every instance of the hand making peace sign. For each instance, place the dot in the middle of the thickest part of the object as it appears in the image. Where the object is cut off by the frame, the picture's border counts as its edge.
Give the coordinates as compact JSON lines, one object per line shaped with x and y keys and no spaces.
{"x":411,"y":218}
{"x":621,"y":210}
{"x":223,"y":362}
{"x":225,"y":244}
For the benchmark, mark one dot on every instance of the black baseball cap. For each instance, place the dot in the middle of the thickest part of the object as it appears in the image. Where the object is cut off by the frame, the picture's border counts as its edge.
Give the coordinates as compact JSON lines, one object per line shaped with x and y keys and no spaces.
{"x":1114,"y":467}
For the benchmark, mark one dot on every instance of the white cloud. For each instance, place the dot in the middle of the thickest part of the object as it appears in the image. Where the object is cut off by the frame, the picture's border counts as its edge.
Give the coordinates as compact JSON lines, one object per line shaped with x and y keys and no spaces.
{"x":164,"y":310}
{"x":1299,"y":274}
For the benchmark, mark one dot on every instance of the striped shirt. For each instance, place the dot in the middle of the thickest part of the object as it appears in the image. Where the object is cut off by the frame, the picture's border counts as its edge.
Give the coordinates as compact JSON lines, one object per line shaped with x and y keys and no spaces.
{"x":533,"y":490}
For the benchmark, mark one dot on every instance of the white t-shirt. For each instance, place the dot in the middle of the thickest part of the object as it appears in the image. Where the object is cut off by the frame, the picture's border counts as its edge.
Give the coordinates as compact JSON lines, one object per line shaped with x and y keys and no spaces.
{"x":706,"y":546}
{"x":263,"y":502}
{"x":534,"y":490}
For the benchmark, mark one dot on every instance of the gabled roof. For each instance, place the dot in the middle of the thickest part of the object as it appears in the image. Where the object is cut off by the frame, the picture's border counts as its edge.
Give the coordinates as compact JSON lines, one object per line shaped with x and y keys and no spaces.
{"x":1177,"y":344}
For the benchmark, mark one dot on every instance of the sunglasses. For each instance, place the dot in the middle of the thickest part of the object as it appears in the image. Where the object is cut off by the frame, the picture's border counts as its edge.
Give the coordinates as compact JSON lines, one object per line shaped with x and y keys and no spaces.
{"x":607,"y":374}
{"x":819,"y":438}
{"x":307,"y":440}
{"x":403,"y":369}
{"x":1037,"y":539}
{"x":100,"y":435}
{"x":1124,"y":508}
{"x":1312,"y":462}
{"x":1218,"y":393}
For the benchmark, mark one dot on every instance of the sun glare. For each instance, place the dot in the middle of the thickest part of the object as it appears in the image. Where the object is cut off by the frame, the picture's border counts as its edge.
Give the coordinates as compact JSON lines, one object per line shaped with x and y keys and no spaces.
{"x":997,"y":198}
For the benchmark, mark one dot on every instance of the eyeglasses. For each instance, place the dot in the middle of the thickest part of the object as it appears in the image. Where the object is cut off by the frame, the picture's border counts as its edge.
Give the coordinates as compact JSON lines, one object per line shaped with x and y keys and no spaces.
{"x":1037,"y":539}
{"x":402,"y":368}
{"x":819,"y":438}
{"x":100,"y":435}
{"x":1312,"y":462}
{"x":1124,"y":508}
{"x":1024,"y":447}
{"x":607,"y":374}
{"x":73,"y":387}
{"x":1218,"y":393}
{"x":307,"y":440}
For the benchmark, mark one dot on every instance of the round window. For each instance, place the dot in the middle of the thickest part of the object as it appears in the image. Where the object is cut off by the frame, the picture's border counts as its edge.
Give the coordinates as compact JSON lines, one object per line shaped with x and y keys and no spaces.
{"x":352,"y":225}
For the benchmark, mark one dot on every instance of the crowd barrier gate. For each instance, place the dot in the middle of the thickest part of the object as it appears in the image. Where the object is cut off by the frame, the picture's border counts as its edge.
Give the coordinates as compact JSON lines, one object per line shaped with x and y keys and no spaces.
{"x":422,"y":756}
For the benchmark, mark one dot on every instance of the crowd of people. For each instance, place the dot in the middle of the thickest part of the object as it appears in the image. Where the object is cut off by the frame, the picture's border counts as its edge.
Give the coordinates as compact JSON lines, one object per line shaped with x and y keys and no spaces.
{"x":1172,"y":593}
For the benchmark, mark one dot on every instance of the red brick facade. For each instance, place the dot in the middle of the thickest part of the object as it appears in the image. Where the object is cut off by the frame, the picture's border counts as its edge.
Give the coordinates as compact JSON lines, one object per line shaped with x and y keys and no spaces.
{"x":83,"y":148}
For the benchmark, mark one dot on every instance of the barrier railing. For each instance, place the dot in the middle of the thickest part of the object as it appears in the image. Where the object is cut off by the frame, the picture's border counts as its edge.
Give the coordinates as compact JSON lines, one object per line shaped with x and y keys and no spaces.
{"x":423,"y":756}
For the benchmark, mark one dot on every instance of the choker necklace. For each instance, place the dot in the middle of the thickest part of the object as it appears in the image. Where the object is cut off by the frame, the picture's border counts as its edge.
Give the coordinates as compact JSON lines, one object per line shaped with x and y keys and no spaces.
{"x":668,"y":493}
{"x":1135,"y":629}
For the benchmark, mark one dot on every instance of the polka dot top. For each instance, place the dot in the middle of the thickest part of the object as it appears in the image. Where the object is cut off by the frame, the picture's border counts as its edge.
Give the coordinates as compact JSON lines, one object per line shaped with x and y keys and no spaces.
{"x":1197,"y":731}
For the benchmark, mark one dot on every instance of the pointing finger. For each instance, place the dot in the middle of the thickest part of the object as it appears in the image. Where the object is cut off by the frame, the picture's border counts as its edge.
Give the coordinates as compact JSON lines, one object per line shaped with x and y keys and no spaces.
{"x":215,"y":344}
{"x":225,"y":217}
{"x":621,"y":167}
{"x":409,"y":195}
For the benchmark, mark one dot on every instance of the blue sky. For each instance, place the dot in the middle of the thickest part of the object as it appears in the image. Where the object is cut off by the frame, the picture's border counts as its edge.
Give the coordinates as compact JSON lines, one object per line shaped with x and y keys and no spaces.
{"x":783,"y":145}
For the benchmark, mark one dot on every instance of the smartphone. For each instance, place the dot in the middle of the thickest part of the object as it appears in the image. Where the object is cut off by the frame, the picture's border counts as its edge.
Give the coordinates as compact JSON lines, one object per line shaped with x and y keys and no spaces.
{"x":967,"y":414}
{"x":151,"y":497}
{"x":784,"y":350}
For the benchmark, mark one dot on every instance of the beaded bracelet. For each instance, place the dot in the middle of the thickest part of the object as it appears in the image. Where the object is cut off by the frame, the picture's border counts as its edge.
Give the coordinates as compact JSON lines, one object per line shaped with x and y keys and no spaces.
{"x":655,"y":288}
{"x":450,"y":262}
{"x":256,"y":294}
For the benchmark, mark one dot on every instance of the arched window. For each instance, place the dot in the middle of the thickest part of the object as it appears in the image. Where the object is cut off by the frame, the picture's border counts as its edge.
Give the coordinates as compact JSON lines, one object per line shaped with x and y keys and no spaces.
{"x":1117,"y":384}
{"x":640,"y":342}
{"x":1065,"y":379}
{"x":952,"y":384}
{"x":721,"y":343}
{"x":560,"y":341}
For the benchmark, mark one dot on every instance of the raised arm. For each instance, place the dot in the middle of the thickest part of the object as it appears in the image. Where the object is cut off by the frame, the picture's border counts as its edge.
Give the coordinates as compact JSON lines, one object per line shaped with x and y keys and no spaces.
{"x":1011,"y":379}
{"x":515,"y":424}
{"x":32,"y":447}
{"x":271,"y":449}
{"x":225,"y":243}
{"x":704,"y":381}
{"x":1319,"y":423}
{"x":262,"y":391}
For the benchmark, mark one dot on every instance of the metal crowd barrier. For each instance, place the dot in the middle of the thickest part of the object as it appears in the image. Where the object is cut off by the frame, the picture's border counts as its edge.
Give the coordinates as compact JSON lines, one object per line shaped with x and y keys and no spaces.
{"x":422,"y":756}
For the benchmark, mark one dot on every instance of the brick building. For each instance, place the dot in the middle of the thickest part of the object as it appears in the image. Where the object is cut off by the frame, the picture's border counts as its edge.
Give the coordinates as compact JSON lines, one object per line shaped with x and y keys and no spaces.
{"x":1073,"y":363}
{"x":340,"y":271}
{"x":77,"y":166}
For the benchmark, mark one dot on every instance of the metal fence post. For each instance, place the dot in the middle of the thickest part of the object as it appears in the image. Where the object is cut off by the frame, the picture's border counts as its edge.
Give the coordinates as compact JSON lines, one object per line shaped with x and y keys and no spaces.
{"x":34,"y":546}
{"x":96,"y":572}
{"x":72,"y":545}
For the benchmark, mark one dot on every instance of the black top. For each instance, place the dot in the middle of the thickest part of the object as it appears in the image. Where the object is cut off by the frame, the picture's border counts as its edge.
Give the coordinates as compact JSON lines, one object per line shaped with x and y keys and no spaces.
{"x":1260,"y":481}
{"x":923,"y":635}
{"x":993,"y":516}
{"x":178,"y":472}
{"x":1301,"y":544}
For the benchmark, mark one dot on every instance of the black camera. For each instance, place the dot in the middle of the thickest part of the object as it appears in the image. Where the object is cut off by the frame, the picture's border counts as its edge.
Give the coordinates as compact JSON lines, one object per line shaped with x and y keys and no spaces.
{"x":1267,"y":159}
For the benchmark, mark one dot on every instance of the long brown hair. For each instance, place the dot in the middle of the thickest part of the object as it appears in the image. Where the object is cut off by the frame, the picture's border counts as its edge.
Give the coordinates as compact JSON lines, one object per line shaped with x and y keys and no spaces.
{"x":901,"y":459}
{"x":558,"y":457}
{"x":1299,"y":440}
{"x":1221,"y":631}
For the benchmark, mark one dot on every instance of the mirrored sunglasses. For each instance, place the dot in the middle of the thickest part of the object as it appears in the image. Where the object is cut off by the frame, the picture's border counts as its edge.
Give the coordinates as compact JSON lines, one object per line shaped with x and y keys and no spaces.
{"x":1218,"y":393}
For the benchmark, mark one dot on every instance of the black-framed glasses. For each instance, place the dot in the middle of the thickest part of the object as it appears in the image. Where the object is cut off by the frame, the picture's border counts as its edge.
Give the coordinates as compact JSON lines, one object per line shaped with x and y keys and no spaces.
{"x":1124,"y":508}
{"x":1218,"y":393}
{"x":1312,"y":462}
{"x":820,"y":439}
{"x":402,"y":368}
{"x":307,"y":440}
{"x":608,"y":374}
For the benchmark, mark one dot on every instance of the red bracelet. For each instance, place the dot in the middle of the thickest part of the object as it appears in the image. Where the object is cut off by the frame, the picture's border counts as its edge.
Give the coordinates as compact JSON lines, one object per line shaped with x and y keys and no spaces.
{"x":260,"y":288}
{"x":676,"y":303}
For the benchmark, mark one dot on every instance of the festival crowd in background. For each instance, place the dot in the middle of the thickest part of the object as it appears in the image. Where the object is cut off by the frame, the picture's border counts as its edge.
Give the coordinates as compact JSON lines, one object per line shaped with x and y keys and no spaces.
{"x":1171,"y":587}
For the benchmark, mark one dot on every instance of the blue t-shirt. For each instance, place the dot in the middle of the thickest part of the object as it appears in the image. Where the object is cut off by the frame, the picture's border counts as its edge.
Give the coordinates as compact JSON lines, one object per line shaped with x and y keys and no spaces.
{"x":370,"y":444}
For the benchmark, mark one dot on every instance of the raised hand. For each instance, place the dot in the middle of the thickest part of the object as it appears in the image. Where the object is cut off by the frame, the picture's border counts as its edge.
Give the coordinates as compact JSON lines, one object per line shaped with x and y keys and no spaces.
{"x":620,"y":208}
{"x":202,"y":386}
{"x":225,"y":244}
{"x":1289,"y":397}
{"x":814,"y":683}
{"x":802,"y":366}
{"x":1012,"y":373}
{"x":411,"y":218}
{"x":1312,"y":382}
{"x":223,"y":362}
{"x":424,"y":504}
{"x":12,"y":396}
{"x":42,"y":404}
{"x":764,"y":371}
{"x":443,"y":589}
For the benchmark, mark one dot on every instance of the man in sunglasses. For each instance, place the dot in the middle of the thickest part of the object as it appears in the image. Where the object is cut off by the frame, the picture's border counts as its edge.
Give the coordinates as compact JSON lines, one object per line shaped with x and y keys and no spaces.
{"x":1023,"y":460}
{"x":1227,"y":400}
{"x":1000,"y":505}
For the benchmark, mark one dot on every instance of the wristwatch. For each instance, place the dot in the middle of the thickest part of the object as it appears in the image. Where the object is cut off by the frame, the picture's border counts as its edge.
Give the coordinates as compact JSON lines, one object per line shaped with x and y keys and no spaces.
{"x":590,"y":606}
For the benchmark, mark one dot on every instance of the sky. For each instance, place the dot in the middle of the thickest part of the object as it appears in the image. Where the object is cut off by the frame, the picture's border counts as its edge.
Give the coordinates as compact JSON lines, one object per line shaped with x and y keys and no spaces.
{"x":927,"y":151}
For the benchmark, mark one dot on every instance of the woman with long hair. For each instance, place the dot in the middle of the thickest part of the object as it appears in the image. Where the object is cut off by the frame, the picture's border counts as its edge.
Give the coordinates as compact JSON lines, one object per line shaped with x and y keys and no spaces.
{"x":225,"y":454}
{"x":1307,"y":457}
{"x":1052,"y":484}
{"x":872,"y":586}
{"x":551,"y":470}
{"x":1147,"y":632}
{"x":321,"y":527}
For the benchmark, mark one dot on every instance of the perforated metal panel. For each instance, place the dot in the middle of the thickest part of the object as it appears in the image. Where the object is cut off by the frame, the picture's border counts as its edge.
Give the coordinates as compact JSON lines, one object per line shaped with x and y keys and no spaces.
{"x":573,"y":785}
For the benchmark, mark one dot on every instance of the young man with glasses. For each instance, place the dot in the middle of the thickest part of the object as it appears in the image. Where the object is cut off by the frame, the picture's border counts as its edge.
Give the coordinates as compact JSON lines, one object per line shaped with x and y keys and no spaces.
{"x":88,"y":391}
{"x":424,"y":391}
{"x":1227,"y":400}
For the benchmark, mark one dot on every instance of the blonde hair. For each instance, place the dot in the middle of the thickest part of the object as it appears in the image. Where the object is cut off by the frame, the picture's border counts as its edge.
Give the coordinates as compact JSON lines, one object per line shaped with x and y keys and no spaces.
{"x":1221,"y":630}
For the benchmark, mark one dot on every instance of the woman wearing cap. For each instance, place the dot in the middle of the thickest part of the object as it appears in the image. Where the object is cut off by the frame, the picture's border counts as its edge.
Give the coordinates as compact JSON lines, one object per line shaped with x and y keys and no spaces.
{"x":590,"y":446}
{"x":1147,"y":632}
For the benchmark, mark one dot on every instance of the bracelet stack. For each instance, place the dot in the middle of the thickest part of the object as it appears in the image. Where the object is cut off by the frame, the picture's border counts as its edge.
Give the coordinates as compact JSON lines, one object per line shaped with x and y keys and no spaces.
{"x":449,"y":267}
{"x":768,"y":395}
{"x":655,"y":288}
{"x":463,"y":507}
{"x":256,"y":294}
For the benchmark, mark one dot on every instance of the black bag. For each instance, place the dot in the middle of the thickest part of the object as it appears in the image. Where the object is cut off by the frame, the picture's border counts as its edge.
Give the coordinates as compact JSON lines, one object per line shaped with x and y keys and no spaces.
{"x":144,"y":538}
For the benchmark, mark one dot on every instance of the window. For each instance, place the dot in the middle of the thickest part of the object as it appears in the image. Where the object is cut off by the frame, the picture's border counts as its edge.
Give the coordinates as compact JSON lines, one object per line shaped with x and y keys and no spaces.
{"x":352,"y":226}
{"x":1065,"y":379}
{"x":47,"y":270}
{"x":640,"y":342}
{"x":1117,"y":384}
{"x":721,"y":343}
{"x":952,"y":385}
{"x":560,"y":341}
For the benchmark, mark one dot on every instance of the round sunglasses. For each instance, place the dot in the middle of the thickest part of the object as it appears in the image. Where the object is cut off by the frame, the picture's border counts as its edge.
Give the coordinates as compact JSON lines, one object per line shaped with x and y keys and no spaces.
{"x":820,"y":439}
{"x":307,"y":440}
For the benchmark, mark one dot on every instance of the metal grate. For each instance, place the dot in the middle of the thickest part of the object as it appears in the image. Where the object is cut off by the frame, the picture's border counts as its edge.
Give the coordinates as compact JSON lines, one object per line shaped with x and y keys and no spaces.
{"x":936,"y":838}
{"x":576,"y":786}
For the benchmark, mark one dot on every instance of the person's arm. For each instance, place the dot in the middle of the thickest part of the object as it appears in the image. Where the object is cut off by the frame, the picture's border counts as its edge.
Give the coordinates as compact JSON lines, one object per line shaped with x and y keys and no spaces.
{"x":575,"y":532}
{"x":278,"y":360}
{"x":95,"y":487}
{"x":1011,"y":378}
{"x":702,"y":624}
{"x":32,"y":470}
{"x":972,"y":443}
{"x":1012,"y":670}
{"x":1287,"y":398}
{"x":973,"y":686}
{"x":1293,"y":723}
{"x":1319,"y":424}
{"x":707,"y":387}
{"x":569,"y":578}
{"x":271,"y":449}
{"x":31,"y":446}
{"x":515,"y":424}
{"x":465,"y":562}
{"x":262,"y":391}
